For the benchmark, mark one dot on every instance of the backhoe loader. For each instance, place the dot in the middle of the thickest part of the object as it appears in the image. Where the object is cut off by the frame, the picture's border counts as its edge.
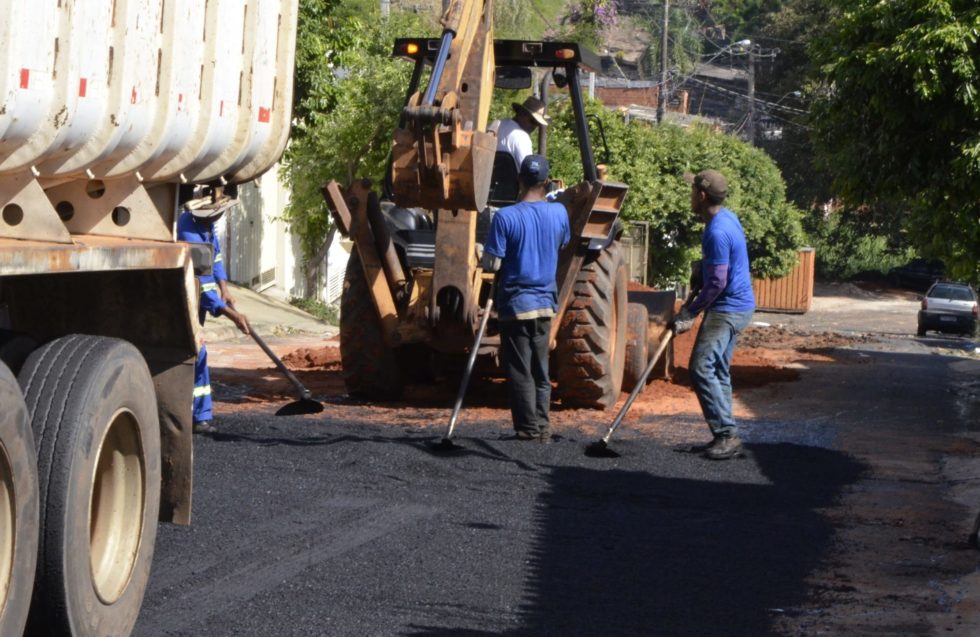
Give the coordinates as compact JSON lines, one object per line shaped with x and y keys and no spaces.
{"x":414,"y":290}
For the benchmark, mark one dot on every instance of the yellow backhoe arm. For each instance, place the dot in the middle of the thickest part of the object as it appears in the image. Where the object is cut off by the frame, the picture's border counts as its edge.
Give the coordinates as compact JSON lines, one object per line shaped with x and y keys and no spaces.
{"x":443,"y":156}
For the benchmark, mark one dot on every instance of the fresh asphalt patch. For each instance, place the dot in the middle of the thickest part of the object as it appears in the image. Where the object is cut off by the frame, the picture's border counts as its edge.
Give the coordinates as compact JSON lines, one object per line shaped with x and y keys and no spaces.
{"x":320,"y":527}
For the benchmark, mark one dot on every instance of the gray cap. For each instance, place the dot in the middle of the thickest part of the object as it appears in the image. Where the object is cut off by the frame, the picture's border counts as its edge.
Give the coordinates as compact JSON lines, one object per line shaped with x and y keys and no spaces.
{"x":709,"y":181}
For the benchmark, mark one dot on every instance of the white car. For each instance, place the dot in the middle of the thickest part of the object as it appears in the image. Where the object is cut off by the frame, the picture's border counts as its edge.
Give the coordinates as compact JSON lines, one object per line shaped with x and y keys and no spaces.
{"x":949,"y":307}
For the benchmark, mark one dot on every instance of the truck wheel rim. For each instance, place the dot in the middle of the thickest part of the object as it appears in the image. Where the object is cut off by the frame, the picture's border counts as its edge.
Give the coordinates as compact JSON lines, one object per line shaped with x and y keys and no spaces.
{"x":8,"y":526}
{"x":116,"y":507}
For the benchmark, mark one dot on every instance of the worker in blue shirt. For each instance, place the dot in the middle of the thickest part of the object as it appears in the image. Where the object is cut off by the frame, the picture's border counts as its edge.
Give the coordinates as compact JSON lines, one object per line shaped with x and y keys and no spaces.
{"x":727,"y":300}
{"x":197,"y":226}
{"x":523,"y":246}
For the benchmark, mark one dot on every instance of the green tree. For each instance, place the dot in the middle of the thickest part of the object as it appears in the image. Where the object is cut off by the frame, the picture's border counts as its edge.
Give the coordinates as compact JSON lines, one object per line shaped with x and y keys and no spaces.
{"x":352,"y":97}
{"x":653,"y":159}
{"x":742,"y":17}
{"x":898,"y":120}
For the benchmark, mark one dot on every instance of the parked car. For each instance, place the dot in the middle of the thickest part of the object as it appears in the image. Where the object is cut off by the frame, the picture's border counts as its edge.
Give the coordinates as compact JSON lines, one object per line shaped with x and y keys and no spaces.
{"x":917,"y":274}
{"x":949,"y":307}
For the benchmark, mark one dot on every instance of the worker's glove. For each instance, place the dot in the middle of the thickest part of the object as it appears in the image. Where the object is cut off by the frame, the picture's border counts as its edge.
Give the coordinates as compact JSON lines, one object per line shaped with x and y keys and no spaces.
{"x":490,"y":263}
{"x":683,"y":322}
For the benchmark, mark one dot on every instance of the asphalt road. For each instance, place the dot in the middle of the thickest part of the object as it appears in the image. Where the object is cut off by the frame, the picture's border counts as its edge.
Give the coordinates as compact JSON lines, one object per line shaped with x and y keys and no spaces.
{"x":848,"y":515}
{"x":334,"y":530}
{"x":326,"y":526}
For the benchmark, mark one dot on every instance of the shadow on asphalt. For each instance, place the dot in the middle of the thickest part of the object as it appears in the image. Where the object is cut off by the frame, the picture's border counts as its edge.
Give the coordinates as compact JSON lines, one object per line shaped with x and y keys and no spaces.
{"x":464,"y":447}
{"x":631,"y":553}
{"x":949,"y":341}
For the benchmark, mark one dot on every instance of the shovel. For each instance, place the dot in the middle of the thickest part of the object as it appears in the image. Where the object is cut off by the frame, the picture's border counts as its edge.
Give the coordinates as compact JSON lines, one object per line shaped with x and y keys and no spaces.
{"x":600,"y":448}
{"x":305,"y":404}
{"x":447,"y":443}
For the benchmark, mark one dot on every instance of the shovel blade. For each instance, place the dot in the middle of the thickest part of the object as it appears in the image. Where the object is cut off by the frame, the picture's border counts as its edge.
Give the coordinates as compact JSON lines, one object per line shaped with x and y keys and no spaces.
{"x":446,"y":445}
{"x":300,"y":407}
{"x":600,"y":449}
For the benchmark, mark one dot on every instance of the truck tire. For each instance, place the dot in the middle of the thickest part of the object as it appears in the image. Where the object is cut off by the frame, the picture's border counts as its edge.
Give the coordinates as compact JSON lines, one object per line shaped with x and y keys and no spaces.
{"x":370,"y":367}
{"x":18,"y":507}
{"x":15,"y":348}
{"x":591,"y":348}
{"x":637,"y":347}
{"x":94,"y":417}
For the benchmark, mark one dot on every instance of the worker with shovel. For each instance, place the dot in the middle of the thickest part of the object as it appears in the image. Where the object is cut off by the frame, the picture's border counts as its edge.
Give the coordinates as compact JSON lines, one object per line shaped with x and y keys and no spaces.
{"x":523,"y":246}
{"x":196,"y":225}
{"x":727,"y":300}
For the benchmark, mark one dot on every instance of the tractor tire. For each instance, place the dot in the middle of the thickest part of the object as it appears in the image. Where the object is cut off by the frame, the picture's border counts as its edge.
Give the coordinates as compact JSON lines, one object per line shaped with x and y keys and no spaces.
{"x":93,"y":412}
{"x":637,"y":346}
{"x":664,"y":369}
{"x":370,"y":367}
{"x":591,"y":345}
{"x":18,"y":507}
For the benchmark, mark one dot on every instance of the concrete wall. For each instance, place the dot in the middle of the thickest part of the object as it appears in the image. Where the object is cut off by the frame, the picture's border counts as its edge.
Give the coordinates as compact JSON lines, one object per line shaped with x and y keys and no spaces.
{"x":261,"y":253}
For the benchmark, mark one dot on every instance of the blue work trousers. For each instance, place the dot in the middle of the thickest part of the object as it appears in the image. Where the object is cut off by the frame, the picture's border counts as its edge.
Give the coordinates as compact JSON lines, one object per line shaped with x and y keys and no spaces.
{"x":202,"y":387}
{"x":710,"y":368}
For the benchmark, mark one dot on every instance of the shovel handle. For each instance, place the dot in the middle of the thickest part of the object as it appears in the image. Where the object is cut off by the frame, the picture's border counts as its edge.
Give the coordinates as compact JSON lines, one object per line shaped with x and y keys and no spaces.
{"x":469,"y":366}
{"x":303,"y":391}
{"x":640,"y":384}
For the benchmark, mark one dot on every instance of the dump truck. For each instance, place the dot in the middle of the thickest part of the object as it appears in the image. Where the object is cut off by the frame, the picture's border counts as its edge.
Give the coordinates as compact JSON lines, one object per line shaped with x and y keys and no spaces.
{"x":414,"y":290}
{"x":107,"y":109}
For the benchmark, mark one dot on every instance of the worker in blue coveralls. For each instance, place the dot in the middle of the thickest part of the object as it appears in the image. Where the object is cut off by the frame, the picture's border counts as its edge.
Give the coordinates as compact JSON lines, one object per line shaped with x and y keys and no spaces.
{"x":727,"y":300}
{"x":523,"y":245}
{"x":197,"y":226}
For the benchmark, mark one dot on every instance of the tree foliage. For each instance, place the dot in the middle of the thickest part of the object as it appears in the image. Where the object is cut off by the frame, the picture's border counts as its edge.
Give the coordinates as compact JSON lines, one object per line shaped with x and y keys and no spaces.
{"x":653,"y":159}
{"x":742,"y":17}
{"x":853,"y":243}
{"x":353,"y":92}
{"x":899,"y":120}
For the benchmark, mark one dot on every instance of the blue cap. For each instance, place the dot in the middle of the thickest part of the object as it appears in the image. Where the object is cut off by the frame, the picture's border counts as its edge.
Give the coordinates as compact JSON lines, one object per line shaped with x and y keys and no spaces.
{"x":534,"y":170}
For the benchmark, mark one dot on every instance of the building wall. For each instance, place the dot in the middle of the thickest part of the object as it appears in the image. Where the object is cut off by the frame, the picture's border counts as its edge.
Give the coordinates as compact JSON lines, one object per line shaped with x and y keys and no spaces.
{"x":262,"y":254}
{"x":640,"y":95}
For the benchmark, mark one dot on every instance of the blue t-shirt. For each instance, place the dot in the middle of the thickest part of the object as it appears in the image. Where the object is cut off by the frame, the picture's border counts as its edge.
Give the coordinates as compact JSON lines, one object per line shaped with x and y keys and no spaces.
{"x":527,"y":237}
{"x":723,"y":243}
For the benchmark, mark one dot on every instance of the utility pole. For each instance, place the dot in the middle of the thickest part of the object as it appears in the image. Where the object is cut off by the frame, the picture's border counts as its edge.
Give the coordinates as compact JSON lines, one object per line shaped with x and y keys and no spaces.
{"x":750,"y":127}
{"x":662,"y":90}
{"x":756,"y":53}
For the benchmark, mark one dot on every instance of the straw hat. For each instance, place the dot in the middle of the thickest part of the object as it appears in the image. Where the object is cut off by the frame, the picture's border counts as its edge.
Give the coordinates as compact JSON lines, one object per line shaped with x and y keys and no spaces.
{"x":533,"y":107}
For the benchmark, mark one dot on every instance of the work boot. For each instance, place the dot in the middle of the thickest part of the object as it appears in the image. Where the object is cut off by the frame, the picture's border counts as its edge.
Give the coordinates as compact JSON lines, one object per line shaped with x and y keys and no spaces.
{"x":723,"y":448}
{"x":204,"y":427}
{"x":544,"y":437}
{"x":524,"y":435}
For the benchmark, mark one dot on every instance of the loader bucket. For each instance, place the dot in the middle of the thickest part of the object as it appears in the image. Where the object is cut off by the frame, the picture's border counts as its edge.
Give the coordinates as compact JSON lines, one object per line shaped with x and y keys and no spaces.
{"x":458,"y":180}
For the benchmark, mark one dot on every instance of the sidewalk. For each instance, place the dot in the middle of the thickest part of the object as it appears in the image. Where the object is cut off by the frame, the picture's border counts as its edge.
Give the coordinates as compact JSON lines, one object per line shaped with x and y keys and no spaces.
{"x":269,"y":317}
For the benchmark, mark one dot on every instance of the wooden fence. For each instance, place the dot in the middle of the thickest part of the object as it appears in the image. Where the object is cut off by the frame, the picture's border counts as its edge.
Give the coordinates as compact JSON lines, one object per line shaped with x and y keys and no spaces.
{"x":791,"y":293}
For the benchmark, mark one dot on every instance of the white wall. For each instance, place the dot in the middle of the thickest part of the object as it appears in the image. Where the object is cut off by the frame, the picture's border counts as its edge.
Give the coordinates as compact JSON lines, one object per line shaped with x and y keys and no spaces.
{"x":262,"y":254}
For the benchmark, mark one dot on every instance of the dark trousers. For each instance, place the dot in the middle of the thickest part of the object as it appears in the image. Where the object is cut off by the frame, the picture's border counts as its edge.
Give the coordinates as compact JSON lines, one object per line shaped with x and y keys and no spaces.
{"x":524,"y":350}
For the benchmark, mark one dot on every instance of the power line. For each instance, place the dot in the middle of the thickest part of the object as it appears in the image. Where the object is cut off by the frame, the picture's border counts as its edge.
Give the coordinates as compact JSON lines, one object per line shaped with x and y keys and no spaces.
{"x":728,"y":91}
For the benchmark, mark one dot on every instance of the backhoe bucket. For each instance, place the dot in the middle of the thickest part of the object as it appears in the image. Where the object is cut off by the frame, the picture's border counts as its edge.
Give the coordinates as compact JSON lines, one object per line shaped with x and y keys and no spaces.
{"x":451,"y":170}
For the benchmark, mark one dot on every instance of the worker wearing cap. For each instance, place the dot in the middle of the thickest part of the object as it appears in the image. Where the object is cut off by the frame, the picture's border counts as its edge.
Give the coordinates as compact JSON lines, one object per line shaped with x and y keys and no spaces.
{"x":514,"y":135}
{"x":197,"y":226}
{"x":523,"y":246}
{"x":727,"y":300}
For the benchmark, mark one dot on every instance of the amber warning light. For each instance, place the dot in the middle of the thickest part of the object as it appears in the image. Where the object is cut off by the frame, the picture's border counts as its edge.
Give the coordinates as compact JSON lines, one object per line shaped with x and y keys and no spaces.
{"x":411,"y":48}
{"x":565,"y":54}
